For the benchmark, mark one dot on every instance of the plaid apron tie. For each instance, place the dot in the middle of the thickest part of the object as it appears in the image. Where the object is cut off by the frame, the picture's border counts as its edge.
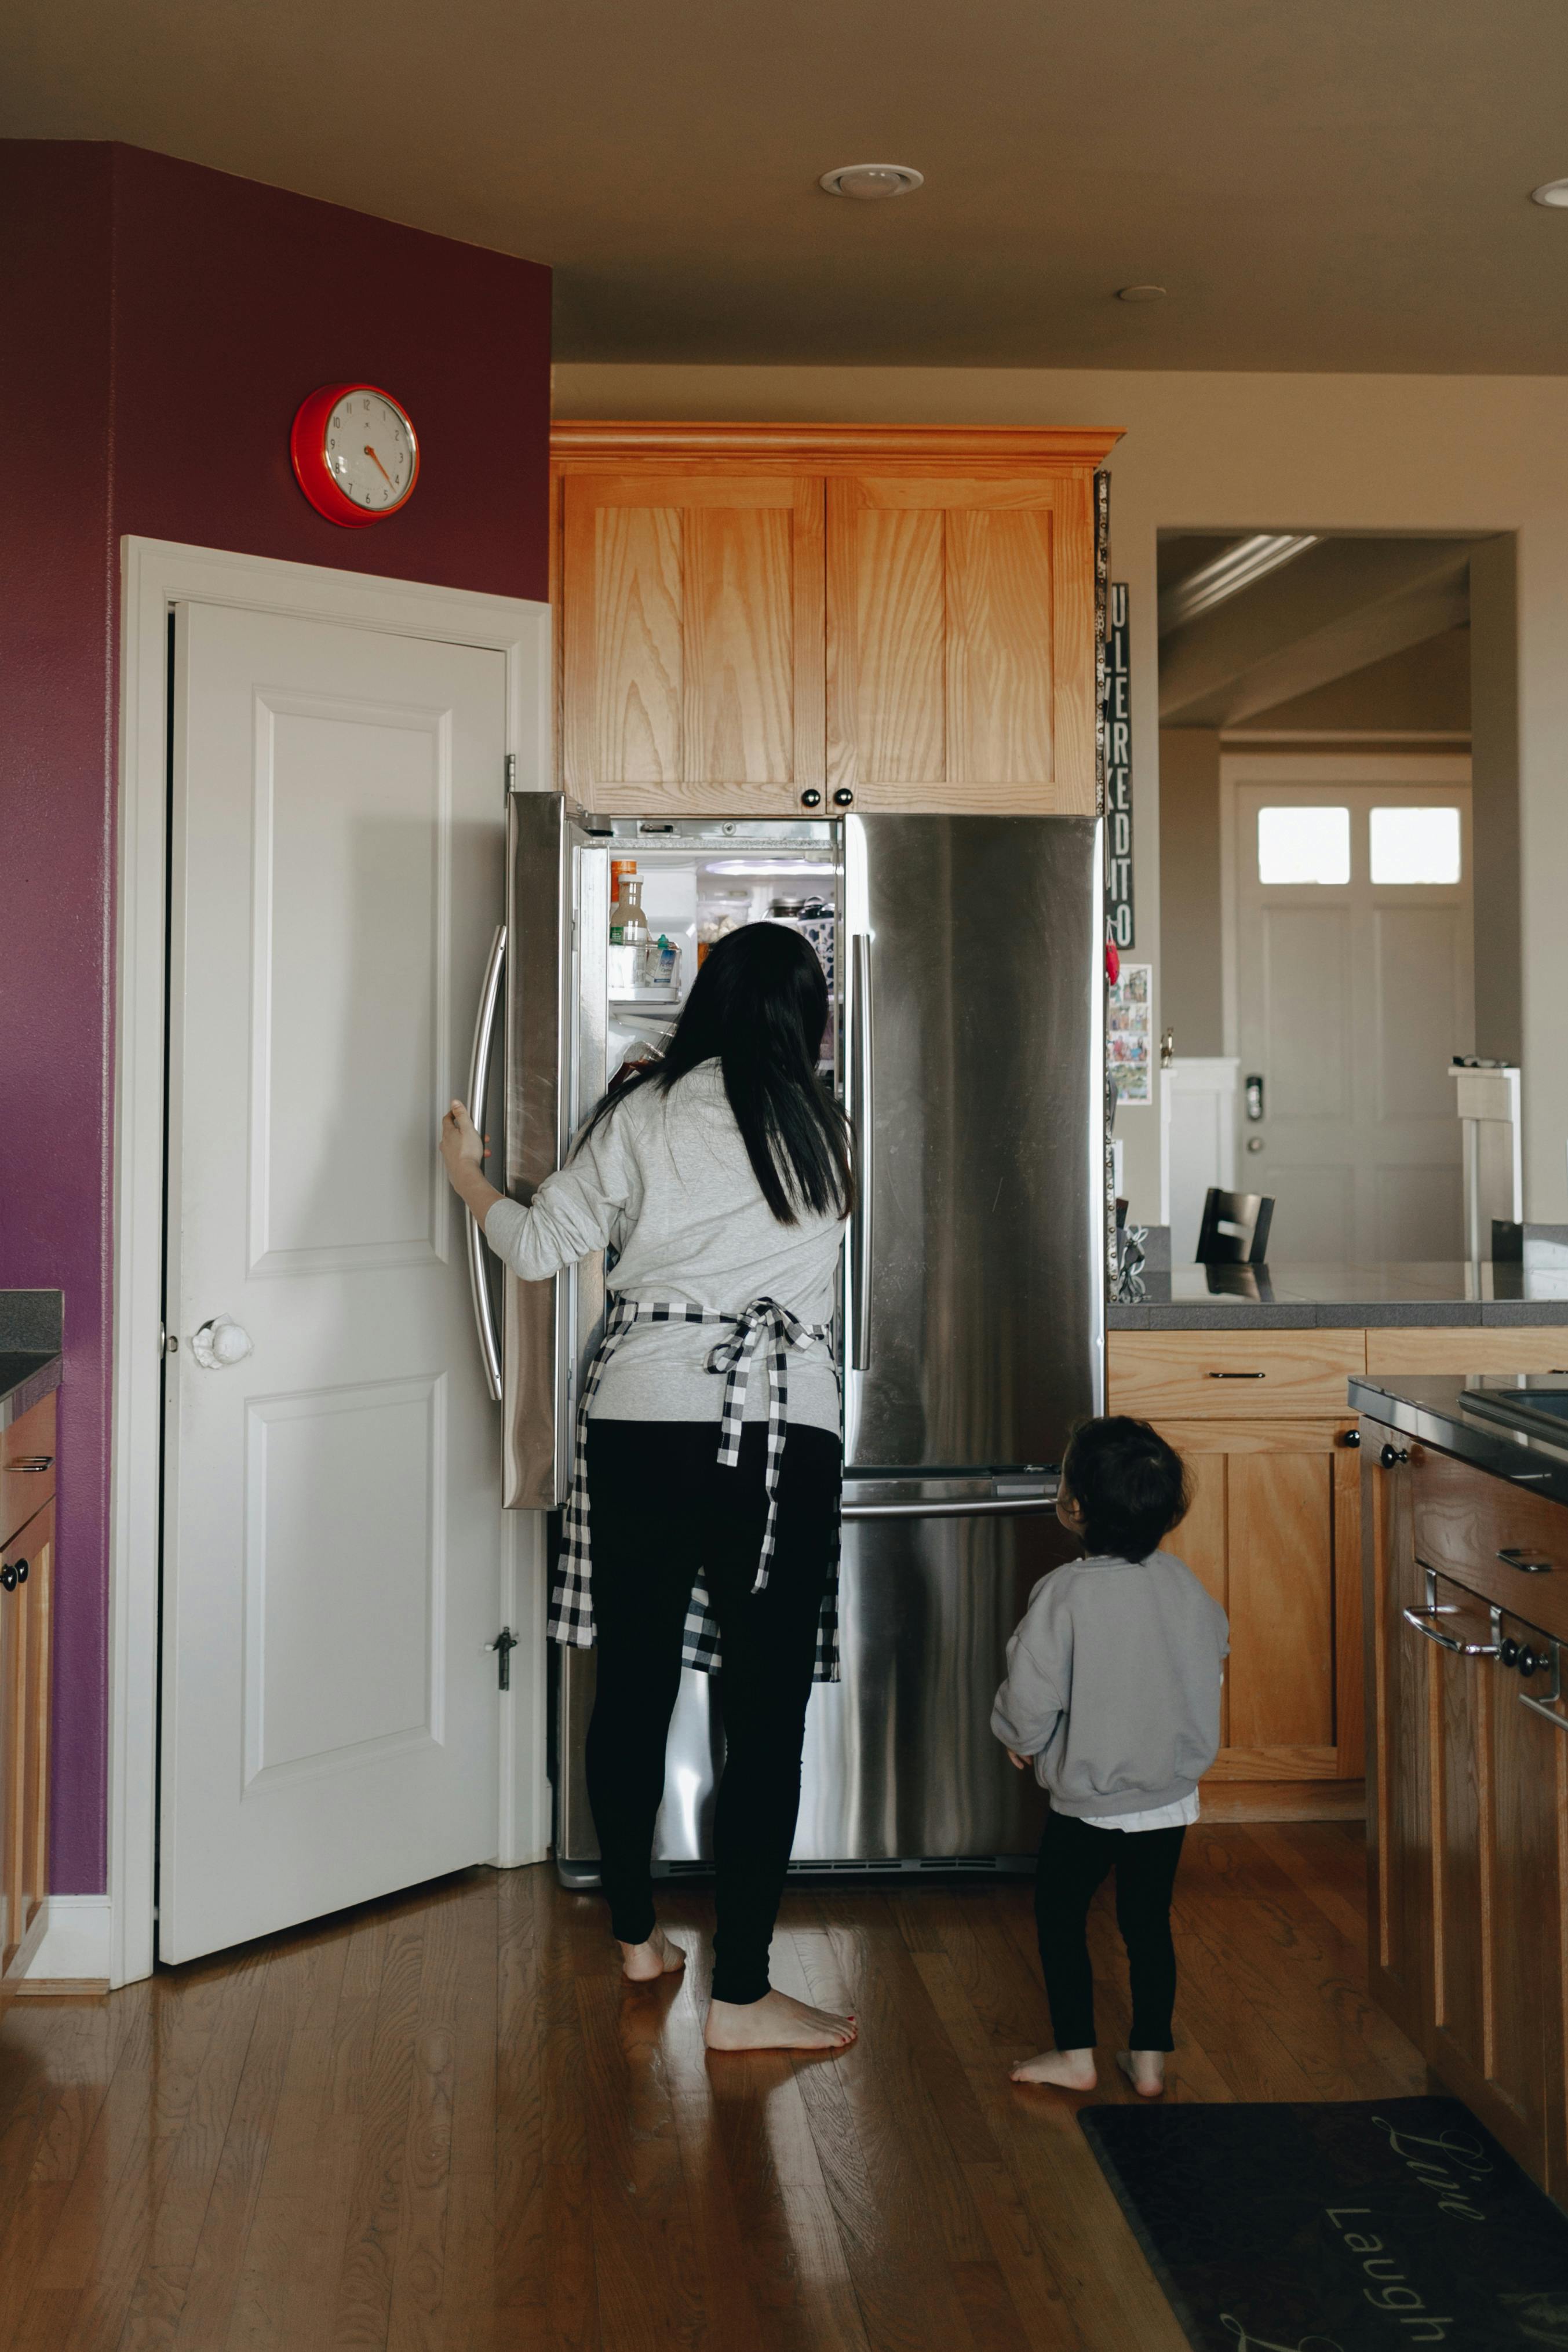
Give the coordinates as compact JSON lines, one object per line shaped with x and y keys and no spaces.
{"x":572,"y":1588}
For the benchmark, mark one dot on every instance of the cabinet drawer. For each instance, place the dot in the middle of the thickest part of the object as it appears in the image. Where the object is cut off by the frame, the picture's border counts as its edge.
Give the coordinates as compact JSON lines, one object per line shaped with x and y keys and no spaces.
{"x":1216,"y":1375}
{"x":27,"y":1466}
{"x":1466,"y":1520}
{"x":1508,"y":1347}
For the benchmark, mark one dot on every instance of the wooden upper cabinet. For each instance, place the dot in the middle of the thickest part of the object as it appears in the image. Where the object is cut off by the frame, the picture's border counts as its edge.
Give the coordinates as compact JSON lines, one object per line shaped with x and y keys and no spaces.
{"x":750,"y":614}
{"x":691,"y":626}
{"x":961,"y":653}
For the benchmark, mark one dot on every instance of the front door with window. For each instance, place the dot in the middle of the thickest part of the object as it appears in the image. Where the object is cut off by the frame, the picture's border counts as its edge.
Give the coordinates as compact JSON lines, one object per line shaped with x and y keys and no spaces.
{"x":1353,"y":990}
{"x":332,"y":1524}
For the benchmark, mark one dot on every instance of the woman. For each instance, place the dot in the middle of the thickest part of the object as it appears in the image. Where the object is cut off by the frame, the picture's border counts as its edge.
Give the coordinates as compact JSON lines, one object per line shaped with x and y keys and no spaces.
{"x":708,"y":1455}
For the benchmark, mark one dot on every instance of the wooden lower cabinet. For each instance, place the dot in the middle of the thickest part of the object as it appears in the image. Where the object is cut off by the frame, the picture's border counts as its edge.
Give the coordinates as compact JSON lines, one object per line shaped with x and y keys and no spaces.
{"x":1468,"y":1795}
{"x":26,"y":1590}
{"x":1273,"y":1536}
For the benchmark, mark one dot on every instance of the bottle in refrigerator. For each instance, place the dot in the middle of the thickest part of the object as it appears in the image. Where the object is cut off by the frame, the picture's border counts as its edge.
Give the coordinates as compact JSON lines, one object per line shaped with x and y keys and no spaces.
{"x":628,"y":929}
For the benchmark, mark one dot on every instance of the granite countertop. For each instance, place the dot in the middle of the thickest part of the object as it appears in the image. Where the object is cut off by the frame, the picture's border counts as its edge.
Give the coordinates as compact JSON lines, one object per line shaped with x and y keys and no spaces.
{"x":1437,"y":1409}
{"x":29,"y":1350}
{"x":1343,"y":1297}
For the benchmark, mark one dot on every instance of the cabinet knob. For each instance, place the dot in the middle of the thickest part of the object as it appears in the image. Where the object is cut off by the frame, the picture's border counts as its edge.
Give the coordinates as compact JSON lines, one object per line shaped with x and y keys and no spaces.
{"x":1529,"y":1661}
{"x":811,"y":797}
{"x":844,"y":797}
{"x":1392,"y":1456}
{"x":1351,"y":1437}
{"x":8,"y":1577}
{"x":1507,"y":1651}
{"x":21,"y":1572}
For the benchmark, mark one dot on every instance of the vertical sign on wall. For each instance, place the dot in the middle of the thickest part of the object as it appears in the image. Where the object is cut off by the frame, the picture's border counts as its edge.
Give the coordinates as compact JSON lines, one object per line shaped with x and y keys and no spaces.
{"x":1118,"y":774}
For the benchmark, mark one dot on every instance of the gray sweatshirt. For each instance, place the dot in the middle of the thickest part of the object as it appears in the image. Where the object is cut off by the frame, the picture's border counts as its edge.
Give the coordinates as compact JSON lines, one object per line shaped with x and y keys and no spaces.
{"x":1113,"y":1684}
{"x":665,"y":1180}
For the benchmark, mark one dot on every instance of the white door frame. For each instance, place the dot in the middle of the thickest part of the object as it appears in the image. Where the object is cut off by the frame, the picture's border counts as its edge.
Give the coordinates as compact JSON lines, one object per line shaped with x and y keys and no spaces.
{"x":1401,"y":769}
{"x":154,"y":575}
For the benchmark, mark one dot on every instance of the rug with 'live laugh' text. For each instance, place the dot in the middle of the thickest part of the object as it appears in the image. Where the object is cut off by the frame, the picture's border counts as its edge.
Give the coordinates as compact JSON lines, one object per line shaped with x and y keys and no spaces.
{"x":1359,"y":2226}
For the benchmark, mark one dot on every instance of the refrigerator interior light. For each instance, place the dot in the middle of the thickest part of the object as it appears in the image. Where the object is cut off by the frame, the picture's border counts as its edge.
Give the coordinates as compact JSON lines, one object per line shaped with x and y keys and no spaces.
{"x":761,"y":866}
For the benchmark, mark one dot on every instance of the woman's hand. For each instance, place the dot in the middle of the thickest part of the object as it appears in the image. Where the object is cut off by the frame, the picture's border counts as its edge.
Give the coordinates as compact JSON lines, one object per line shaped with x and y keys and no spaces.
{"x":464,"y":1151}
{"x":461,"y":1144}
{"x":1019,"y":1763}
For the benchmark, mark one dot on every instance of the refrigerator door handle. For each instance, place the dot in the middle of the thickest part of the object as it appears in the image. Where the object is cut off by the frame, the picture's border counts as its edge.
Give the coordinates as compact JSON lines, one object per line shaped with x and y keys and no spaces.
{"x":478,"y":1088}
{"x":860,"y":1112}
{"x":992,"y":1507}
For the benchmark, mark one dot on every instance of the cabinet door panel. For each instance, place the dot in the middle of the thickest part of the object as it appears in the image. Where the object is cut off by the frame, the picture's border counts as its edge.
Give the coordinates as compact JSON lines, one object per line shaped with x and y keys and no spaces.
{"x":1399,"y":1684}
{"x":1522,"y":1920}
{"x":1281,"y":1600}
{"x":691,"y":621}
{"x":1461,"y":1857}
{"x":961,"y":642}
{"x":1200,"y":1540}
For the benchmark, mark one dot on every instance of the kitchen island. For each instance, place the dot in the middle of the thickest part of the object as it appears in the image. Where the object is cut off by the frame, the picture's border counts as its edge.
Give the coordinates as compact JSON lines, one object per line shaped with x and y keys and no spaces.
{"x":1465,"y":1578}
{"x":1247,"y":1372}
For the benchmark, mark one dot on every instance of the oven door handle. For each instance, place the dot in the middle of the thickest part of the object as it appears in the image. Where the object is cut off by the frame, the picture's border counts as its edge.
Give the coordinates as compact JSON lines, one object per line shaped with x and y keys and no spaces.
{"x":977,"y":1507}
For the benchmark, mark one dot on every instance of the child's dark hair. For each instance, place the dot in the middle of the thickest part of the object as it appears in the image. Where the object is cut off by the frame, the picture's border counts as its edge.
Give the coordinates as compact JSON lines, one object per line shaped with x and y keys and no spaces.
{"x":1132,"y":1487}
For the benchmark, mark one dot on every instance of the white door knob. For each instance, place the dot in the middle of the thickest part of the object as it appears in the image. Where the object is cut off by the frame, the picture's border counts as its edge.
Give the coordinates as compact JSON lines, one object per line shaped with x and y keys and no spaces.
{"x":221,"y":1342}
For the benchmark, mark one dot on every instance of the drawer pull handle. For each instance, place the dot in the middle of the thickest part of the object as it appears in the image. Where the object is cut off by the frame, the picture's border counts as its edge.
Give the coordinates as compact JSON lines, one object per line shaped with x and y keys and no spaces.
{"x":1237,"y":1376}
{"x":1515,"y":1556}
{"x":32,"y":1462}
{"x":1418,"y":1617}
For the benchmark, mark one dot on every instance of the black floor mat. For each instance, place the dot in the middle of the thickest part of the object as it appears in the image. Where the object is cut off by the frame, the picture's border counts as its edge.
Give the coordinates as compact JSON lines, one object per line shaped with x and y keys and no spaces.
{"x":1359,"y":2226}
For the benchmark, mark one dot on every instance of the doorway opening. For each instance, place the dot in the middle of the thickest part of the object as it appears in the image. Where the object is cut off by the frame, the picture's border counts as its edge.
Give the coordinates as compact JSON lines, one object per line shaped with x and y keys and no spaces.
{"x":1338,"y":826}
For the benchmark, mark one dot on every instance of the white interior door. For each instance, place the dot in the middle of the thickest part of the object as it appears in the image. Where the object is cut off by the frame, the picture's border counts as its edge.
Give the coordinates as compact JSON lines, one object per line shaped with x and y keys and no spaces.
{"x":333,"y":1525}
{"x":1354,"y":989}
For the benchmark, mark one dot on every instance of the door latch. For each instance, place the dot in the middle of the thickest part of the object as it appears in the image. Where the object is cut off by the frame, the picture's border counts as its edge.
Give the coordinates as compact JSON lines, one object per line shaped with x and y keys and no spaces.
{"x":503,"y":1646}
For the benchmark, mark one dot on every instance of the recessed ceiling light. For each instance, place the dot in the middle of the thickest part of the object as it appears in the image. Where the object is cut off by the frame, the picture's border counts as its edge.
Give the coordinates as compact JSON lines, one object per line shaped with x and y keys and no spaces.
{"x":1553,"y":192}
{"x":870,"y":181}
{"x":1139,"y":293}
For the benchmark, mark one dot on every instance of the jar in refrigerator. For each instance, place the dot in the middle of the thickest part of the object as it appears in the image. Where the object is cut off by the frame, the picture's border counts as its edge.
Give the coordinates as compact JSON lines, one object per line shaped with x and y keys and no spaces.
{"x":628,"y":929}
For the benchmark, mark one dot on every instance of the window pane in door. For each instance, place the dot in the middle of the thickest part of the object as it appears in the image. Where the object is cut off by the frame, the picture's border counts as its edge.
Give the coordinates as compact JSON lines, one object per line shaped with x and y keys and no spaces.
{"x":1305,"y":843}
{"x":1415,"y":844}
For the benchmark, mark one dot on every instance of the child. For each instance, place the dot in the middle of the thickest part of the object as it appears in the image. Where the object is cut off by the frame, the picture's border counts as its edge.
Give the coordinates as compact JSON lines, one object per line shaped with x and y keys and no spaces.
{"x":1112,"y":1688}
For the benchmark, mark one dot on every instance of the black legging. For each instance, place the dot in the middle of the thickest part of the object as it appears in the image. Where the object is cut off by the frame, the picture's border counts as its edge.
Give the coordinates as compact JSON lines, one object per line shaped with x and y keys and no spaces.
{"x":1074,"y":1859}
{"x":660,"y":1506}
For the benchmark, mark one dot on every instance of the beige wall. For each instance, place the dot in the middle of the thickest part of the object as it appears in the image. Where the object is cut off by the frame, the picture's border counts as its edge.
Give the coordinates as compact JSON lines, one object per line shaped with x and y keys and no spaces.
{"x":1253,"y":452}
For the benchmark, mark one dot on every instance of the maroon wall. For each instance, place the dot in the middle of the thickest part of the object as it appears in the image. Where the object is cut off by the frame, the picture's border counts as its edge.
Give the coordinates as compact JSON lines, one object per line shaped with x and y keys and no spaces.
{"x":159,"y":326}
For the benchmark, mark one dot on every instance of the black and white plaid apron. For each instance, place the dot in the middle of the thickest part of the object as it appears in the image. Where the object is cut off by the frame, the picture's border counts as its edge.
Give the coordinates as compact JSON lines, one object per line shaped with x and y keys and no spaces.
{"x":572,"y":1588}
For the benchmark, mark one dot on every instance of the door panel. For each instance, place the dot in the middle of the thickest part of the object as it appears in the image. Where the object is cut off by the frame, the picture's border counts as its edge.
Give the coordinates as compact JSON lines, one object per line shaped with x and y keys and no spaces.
{"x":960,"y":643}
{"x":1352,"y":996}
{"x":984,"y":1160}
{"x":332,"y":1549}
{"x":692,"y":640}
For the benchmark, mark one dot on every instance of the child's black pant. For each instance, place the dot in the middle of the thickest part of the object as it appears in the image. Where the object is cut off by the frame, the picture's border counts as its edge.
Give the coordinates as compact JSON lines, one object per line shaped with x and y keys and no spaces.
{"x":1074,"y":1859}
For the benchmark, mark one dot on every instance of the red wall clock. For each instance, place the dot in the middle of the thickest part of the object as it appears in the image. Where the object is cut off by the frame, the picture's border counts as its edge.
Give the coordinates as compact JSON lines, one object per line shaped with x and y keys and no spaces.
{"x":356,"y":453}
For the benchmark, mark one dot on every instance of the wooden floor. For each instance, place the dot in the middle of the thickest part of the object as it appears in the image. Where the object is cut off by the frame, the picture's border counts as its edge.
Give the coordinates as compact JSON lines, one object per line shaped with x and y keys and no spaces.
{"x":440,"y":2121}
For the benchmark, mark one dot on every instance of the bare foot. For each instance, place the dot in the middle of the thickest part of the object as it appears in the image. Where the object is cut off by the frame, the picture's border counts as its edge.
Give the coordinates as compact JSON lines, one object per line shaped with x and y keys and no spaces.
{"x":1066,"y":2070}
{"x":1145,"y":2069}
{"x":775,"y":2022}
{"x":641,"y":1963}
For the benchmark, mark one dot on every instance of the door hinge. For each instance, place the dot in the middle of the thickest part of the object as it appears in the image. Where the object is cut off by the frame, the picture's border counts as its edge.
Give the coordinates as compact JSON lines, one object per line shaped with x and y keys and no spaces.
{"x":503,"y":1646}
{"x":512,"y":771}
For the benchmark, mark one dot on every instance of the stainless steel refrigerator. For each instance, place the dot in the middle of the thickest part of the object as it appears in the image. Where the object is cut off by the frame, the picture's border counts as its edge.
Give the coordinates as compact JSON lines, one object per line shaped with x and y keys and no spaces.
{"x":965,"y":956}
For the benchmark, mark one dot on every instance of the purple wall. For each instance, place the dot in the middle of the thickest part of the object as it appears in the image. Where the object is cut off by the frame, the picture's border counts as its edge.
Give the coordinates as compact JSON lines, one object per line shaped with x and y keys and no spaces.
{"x":159,"y":326}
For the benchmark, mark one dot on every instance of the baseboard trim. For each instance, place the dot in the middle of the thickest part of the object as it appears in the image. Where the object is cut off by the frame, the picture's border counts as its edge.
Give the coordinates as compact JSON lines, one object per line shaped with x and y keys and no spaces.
{"x":1283,"y":1800}
{"x":75,"y":1954}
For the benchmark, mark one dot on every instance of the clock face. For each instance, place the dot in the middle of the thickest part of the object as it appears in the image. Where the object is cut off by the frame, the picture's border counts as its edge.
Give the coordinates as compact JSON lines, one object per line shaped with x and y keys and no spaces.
{"x":370,"y":451}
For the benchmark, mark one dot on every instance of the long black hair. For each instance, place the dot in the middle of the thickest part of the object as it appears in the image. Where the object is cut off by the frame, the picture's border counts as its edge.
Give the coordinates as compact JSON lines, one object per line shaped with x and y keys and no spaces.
{"x":758,"y":1006}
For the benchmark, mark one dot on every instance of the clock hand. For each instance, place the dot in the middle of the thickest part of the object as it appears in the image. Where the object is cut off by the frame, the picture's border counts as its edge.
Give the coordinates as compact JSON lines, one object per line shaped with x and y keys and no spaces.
{"x":370,"y":453}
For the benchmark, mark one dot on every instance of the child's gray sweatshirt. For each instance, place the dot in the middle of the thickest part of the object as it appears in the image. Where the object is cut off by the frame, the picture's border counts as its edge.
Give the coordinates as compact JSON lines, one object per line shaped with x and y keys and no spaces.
{"x":1113,"y":1684}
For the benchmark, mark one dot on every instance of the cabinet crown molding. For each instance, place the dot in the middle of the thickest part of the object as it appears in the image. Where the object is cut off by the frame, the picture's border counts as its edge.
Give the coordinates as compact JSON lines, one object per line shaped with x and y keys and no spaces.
{"x":583,"y":444}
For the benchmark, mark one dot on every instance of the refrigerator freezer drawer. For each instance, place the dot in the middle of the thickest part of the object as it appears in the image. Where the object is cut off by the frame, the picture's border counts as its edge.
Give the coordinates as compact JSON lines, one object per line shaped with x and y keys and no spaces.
{"x":900,"y":1765}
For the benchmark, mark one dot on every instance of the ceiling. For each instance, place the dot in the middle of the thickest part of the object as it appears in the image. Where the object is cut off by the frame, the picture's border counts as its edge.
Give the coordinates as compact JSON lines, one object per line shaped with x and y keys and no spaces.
{"x":1336,"y":609}
{"x":1325,"y":186}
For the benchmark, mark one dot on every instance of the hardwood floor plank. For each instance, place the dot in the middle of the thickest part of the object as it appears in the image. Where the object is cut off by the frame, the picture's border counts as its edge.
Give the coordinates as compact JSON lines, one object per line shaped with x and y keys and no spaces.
{"x":420,"y":2264}
{"x":363,"y":2295}
{"x":469,"y":2320}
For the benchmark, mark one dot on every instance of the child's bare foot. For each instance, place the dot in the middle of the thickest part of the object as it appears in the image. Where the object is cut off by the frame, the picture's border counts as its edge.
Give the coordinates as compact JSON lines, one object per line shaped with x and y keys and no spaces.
{"x":1145,"y":2069}
{"x":1066,"y":2070}
{"x":775,"y":2022}
{"x":641,"y":1963}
